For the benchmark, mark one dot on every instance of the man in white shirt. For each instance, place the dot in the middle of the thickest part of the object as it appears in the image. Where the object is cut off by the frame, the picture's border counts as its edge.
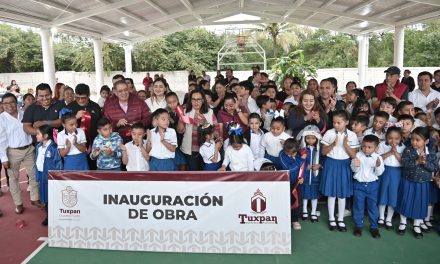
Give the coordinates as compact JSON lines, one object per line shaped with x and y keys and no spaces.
{"x":16,"y":148}
{"x":367,"y":167}
{"x":425,"y":97}
{"x":244,"y":93}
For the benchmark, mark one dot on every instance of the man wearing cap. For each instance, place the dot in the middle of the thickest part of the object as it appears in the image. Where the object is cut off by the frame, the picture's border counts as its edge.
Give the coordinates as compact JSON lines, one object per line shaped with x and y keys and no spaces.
{"x":392,"y":87}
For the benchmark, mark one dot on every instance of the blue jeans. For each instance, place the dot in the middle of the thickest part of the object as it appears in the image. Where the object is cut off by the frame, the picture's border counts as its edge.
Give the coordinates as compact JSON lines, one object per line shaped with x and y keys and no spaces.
{"x":365,"y":191}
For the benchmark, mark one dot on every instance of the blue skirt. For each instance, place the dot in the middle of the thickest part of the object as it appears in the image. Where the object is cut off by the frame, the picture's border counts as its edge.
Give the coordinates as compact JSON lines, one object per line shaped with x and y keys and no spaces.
{"x":311,"y":192}
{"x":42,"y":180}
{"x":275,"y":160}
{"x":434,"y":194}
{"x":179,"y":158}
{"x":76,"y":162}
{"x":389,"y":185}
{"x":336,"y":180}
{"x":212,"y":166}
{"x":413,"y":199}
{"x":162,"y":164}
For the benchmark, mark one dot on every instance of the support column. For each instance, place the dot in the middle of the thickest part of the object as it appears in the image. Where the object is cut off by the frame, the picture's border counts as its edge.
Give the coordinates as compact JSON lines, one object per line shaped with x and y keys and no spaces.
{"x":128,"y":64}
{"x":399,"y":39}
{"x":48,"y":57}
{"x":99,"y":64}
{"x":363,"y":47}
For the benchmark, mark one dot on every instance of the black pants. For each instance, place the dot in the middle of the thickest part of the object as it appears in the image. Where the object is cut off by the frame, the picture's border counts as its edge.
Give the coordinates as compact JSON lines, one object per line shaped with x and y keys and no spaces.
{"x":295,"y":213}
{"x":195,"y":161}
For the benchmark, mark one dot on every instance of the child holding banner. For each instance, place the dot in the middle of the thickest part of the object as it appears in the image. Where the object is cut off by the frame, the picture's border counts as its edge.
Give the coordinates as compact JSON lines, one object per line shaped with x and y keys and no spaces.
{"x":47,"y":158}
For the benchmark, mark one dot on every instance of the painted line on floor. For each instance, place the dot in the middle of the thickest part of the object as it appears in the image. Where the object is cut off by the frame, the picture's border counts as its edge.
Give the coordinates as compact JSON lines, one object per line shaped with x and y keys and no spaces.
{"x":35,"y":251}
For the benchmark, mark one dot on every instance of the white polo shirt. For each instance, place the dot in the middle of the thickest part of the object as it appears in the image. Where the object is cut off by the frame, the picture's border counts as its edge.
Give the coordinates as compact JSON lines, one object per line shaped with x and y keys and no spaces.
{"x":420,"y":100}
{"x":367,"y":171}
{"x":391,"y":160}
{"x":158,"y":149}
{"x":239,"y":160}
{"x":207,"y":151}
{"x":338,"y":152}
{"x":272,"y":143}
{"x":80,"y":139}
{"x":136,"y":161}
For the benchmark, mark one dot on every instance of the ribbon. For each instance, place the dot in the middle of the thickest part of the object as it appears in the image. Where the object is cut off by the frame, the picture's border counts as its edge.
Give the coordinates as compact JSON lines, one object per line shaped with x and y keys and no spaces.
{"x":182,"y":117}
{"x":65,"y":111}
{"x":295,"y":192}
{"x":55,"y":135}
{"x":86,"y":124}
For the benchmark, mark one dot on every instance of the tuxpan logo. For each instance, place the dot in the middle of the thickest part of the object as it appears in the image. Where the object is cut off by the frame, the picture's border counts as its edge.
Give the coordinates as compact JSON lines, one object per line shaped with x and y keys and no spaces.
{"x":258,"y":207}
{"x":69,"y":196}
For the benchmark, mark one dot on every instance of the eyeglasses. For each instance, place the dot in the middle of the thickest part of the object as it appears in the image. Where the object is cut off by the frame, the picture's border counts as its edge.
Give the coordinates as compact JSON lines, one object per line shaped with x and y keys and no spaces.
{"x":196,"y":99}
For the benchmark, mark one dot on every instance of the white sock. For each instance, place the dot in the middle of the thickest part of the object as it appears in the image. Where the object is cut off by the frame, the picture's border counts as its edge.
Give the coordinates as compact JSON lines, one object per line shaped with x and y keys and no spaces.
{"x":416,"y":225}
{"x":314,"y":205}
{"x":428,"y":216}
{"x":331,"y":208}
{"x":305,"y":206}
{"x":382,"y":211}
{"x":390,"y":213}
{"x":402,"y":221}
{"x":341,"y":209}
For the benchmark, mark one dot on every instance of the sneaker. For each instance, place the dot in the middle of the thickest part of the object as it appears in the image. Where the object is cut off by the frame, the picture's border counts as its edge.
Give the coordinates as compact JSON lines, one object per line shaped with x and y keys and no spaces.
{"x":296,"y":226}
{"x":357,"y":232}
{"x":374,"y":232}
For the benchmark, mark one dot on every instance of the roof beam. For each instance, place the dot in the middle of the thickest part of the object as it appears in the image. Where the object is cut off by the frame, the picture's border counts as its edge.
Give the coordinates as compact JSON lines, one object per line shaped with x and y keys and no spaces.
{"x":360,"y":6}
{"x":310,"y":16}
{"x":94,"y":12}
{"x":295,"y":6}
{"x":5,"y":13}
{"x":427,"y":2}
{"x":416,"y":19}
{"x":395,"y":9}
{"x":328,"y":3}
{"x":190,"y":8}
{"x":240,"y":3}
{"x":332,"y":20}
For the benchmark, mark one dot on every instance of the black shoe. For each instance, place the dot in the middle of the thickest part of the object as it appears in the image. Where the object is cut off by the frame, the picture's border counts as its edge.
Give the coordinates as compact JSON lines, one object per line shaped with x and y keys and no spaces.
{"x":357,"y":232}
{"x":374,"y":232}
{"x":425,"y":228}
{"x":305,"y":216}
{"x":380,"y":223}
{"x":342,"y":227}
{"x":388,"y":225}
{"x":330,"y":226}
{"x":314,"y":218}
{"x":45,"y":222}
{"x":401,"y":231}
{"x":418,"y":235}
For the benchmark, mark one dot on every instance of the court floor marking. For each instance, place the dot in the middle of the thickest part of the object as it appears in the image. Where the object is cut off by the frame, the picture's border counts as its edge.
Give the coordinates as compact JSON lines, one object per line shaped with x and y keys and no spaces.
{"x":38,"y":249}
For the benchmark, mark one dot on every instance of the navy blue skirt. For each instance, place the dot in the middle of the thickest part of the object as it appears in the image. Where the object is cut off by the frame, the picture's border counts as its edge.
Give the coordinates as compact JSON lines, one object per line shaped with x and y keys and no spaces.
{"x":162,"y":164}
{"x":413,"y":199}
{"x":42,"y":180}
{"x":76,"y":162}
{"x":336,"y":180}
{"x":179,"y":158}
{"x":212,"y":166}
{"x":389,"y":185}
{"x":434,"y":194}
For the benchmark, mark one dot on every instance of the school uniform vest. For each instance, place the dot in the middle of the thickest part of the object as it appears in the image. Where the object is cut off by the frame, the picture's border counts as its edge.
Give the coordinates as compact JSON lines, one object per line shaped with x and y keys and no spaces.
{"x":187,"y":135}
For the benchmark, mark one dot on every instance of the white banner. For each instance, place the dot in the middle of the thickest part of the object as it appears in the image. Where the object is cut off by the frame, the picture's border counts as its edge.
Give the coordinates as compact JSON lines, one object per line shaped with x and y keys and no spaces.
{"x":210,"y":216}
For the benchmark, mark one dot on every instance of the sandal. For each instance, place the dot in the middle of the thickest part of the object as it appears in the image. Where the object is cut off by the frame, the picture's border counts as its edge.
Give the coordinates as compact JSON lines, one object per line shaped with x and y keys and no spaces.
{"x":418,"y":235}
{"x":305,"y":216}
{"x":381,"y":222}
{"x":314,"y":218}
{"x":401,"y":231}
{"x":428,"y":224}
{"x":388,"y":225}
{"x":332,"y":225}
{"x":342,"y":227}
{"x":425,"y":228}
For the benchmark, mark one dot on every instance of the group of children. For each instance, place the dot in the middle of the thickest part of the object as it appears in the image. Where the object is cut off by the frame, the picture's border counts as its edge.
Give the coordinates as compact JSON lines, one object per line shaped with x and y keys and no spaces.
{"x":383,"y":162}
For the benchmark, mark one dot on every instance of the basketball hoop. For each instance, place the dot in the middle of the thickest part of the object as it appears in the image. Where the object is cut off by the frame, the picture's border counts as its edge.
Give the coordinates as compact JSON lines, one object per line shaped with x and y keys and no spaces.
{"x":241,"y":41}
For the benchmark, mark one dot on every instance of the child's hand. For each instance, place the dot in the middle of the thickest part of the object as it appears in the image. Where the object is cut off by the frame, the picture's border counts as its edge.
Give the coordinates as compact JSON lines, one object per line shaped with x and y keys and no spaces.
{"x":421,"y":159}
{"x":222,"y":168}
{"x":356,"y":162}
{"x":123,"y":147}
{"x":378,"y":162}
{"x":345,"y":140}
{"x":301,"y":181}
{"x":107,"y":151}
{"x":68,"y":144}
{"x":162,"y":135}
{"x":96,"y":152}
{"x":218,"y":144}
{"x":74,"y":140}
{"x":122,"y":122}
{"x":282,"y":141}
{"x":336,"y":140}
{"x":316,"y":167}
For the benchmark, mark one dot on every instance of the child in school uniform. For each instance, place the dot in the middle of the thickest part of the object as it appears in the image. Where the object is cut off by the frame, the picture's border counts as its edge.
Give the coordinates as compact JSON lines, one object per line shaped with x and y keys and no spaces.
{"x":380,"y":119}
{"x":106,"y":148}
{"x":172,"y":107}
{"x":254,"y":136}
{"x":238,"y":155}
{"x":47,"y":158}
{"x":273,"y":141}
{"x":391,"y":152}
{"x":162,"y":142}
{"x":290,"y":160}
{"x":264,"y":104}
{"x":418,"y":165}
{"x":134,"y":153}
{"x":339,"y":145}
{"x":367,"y":167}
{"x":359,"y":125}
{"x":407,"y":124}
{"x":310,"y":138}
{"x":72,"y":143}
{"x":209,"y":147}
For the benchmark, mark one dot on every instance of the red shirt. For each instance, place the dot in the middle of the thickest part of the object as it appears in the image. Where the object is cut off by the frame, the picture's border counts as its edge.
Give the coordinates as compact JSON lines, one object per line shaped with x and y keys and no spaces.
{"x":147,"y":81}
{"x":399,"y":90}
{"x":137,"y":111}
{"x":226,"y":118}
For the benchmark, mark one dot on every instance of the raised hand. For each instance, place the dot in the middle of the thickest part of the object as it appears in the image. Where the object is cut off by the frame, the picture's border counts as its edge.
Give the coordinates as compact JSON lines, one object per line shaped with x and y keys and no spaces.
{"x":356,"y":162}
{"x":378,"y":162}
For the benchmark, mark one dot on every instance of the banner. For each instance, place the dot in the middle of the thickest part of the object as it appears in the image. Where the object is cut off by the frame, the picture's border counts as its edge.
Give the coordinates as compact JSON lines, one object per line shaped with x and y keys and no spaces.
{"x":209,"y":212}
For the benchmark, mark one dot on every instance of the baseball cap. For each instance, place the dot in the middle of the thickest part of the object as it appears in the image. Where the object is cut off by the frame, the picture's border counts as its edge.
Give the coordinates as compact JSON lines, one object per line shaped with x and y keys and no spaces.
{"x":393,"y":70}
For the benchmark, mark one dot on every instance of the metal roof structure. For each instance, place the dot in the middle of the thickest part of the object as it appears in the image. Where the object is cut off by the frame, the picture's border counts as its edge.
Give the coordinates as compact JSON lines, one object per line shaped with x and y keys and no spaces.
{"x":132,"y":21}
